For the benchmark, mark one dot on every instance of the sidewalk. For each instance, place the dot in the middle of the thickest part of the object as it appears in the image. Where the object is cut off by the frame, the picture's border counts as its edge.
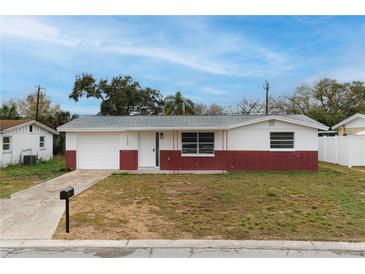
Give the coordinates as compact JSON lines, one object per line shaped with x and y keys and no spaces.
{"x":179,"y":248}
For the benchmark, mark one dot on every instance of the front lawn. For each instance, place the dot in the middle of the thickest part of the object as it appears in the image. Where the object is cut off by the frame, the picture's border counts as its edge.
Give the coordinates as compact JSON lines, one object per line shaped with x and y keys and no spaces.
{"x":17,"y":177}
{"x":328,"y":205}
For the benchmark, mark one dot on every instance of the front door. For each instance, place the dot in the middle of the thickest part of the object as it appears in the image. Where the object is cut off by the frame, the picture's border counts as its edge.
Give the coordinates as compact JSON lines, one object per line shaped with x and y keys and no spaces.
{"x":147,"y":149}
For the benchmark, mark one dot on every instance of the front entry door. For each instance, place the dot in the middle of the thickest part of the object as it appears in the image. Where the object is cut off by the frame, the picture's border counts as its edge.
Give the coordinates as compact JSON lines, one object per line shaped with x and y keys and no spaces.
{"x":147,"y":149}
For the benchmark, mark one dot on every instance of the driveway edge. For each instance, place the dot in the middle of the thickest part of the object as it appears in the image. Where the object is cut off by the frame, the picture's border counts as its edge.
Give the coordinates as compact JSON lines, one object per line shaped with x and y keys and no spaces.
{"x":219,"y":244}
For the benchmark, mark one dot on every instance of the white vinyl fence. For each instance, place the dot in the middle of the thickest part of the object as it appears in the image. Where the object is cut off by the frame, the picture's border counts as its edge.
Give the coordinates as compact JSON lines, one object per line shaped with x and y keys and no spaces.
{"x":343,"y":150}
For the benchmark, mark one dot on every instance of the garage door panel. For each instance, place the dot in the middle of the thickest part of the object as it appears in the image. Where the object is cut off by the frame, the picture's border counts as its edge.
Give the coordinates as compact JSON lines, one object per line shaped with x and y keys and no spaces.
{"x":98,"y":151}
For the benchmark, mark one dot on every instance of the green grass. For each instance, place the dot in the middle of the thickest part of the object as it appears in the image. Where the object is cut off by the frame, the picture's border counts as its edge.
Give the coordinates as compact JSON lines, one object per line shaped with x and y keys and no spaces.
{"x":325,"y":205}
{"x":16,"y":177}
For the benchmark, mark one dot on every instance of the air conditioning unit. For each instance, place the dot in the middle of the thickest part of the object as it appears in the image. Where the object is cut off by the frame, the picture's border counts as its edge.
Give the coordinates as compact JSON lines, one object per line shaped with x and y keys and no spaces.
{"x":29,"y":160}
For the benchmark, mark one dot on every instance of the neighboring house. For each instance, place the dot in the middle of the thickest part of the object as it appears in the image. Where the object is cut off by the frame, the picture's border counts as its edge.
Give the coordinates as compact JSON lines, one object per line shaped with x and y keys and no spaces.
{"x":354,"y":125}
{"x":24,"y":137}
{"x":192,"y":142}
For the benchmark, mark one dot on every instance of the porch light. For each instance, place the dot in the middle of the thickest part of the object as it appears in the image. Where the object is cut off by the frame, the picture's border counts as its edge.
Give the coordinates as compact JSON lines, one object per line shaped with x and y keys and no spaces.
{"x":161,"y":135}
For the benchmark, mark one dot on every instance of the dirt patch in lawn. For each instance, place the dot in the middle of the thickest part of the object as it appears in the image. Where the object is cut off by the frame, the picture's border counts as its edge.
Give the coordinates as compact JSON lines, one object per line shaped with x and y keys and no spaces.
{"x":327,"y":205}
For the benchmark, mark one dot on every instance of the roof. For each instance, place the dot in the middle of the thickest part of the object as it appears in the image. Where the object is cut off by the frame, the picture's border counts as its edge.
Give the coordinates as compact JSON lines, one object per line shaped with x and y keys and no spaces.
{"x":110,"y":123}
{"x":6,"y":125}
{"x":349,"y":119}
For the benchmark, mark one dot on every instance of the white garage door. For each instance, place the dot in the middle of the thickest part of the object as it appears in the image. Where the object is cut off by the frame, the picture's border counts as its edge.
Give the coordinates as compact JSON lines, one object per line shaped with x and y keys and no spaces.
{"x":98,"y":151}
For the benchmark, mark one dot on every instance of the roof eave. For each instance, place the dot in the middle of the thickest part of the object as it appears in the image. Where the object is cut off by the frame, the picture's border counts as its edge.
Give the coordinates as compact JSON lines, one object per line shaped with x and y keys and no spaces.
{"x":29,"y":123}
{"x":279,"y":118}
{"x":138,"y":128}
{"x":349,"y":119}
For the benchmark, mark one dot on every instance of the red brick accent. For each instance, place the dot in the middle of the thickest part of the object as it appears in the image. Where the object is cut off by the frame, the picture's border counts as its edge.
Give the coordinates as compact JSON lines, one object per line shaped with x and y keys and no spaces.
{"x":128,"y":159}
{"x":241,"y":160}
{"x":70,"y":156}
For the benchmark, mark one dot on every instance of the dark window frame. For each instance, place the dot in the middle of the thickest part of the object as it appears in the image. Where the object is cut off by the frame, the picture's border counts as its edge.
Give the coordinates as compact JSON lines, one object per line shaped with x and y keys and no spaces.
{"x":42,"y":142}
{"x":7,"y":143}
{"x":282,"y":140}
{"x":201,"y":145}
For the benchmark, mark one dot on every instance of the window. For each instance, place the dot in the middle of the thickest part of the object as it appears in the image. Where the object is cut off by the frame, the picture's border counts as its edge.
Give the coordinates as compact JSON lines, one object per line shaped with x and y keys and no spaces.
{"x":6,"y":143}
{"x":281,"y":140}
{"x":30,"y":128}
{"x":41,"y":141}
{"x":198,"y":142}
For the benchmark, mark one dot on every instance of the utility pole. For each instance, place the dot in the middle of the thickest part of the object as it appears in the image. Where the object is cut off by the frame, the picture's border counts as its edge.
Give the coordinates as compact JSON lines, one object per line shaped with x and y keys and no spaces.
{"x":267,"y":88}
{"x":37,"y":105}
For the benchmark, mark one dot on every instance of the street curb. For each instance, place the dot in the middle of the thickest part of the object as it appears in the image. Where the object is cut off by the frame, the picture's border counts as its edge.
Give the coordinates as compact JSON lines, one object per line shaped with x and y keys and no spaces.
{"x":219,"y":244}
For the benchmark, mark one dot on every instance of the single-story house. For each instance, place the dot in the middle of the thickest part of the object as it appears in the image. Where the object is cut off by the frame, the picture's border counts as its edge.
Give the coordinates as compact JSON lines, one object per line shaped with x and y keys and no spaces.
{"x":176,"y":143}
{"x":353,"y":125}
{"x":24,"y":137}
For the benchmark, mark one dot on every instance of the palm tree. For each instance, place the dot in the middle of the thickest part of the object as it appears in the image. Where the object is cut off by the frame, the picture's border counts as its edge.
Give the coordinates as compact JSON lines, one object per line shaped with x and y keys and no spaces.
{"x":8,"y":111}
{"x":178,"y":105}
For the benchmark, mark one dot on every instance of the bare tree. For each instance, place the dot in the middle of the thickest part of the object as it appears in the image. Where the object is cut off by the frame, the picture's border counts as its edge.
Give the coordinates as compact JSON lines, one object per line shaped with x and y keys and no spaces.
{"x":212,"y":109}
{"x":247,"y":107}
{"x":327,"y":101}
{"x":27,"y":107}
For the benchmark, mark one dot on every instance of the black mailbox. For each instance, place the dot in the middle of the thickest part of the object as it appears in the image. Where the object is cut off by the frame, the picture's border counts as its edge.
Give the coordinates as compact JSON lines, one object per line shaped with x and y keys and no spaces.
{"x":67,"y":193}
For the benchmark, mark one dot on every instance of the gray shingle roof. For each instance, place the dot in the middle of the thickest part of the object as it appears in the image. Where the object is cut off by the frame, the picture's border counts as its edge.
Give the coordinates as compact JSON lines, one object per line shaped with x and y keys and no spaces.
{"x":169,"y":122}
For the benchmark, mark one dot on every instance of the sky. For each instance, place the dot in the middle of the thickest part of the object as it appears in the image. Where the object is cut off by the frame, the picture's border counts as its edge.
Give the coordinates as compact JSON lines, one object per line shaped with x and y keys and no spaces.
{"x":210,"y":59}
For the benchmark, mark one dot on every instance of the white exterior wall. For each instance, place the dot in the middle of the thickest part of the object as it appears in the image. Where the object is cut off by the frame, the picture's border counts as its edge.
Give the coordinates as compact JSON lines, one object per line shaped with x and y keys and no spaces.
{"x":251,"y":137}
{"x":356,"y":123}
{"x":257,"y":136}
{"x":96,"y":147}
{"x":128,"y":140}
{"x":24,"y":142}
{"x":172,"y":139}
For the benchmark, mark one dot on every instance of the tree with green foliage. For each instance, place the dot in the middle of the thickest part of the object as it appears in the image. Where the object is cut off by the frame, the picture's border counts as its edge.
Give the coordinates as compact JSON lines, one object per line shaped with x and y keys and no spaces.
{"x":61,"y":117}
{"x":328,"y":101}
{"x":49,"y":114}
{"x":121,"y":96}
{"x":177,"y":104}
{"x":8,"y":111}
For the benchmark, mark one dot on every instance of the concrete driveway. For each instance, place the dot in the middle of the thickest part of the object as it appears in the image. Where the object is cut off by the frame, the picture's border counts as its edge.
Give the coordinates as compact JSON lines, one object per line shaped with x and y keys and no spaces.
{"x":34,"y":213}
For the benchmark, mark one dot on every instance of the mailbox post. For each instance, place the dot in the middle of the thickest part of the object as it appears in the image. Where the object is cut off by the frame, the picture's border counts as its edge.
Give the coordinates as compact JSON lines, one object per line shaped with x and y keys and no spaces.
{"x":66,"y":194}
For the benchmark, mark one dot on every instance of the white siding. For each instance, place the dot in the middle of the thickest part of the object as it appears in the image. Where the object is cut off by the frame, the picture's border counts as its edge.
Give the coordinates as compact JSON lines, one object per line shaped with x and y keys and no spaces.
{"x":166,"y":143}
{"x":101,"y":149}
{"x":356,"y":123}
{"x":71,"y":141}
{"x":129,"y":140}
{"x":24,"y":142}
{"x":170,"y":144}
{"x":257,"y":136}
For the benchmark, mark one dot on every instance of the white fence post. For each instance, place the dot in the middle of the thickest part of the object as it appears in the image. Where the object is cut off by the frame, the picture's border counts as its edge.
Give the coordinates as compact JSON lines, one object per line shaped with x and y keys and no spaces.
{"x":349,"y":149}
{"x":324,"y":148}
{"x":336,"y":150}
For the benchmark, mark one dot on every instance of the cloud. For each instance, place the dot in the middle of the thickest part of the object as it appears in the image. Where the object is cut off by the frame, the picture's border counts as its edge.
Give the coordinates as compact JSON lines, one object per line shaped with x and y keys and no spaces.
{"x":32,"y":29}
{"x":207,"y":58}
{"x":342,"y":74}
